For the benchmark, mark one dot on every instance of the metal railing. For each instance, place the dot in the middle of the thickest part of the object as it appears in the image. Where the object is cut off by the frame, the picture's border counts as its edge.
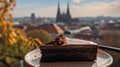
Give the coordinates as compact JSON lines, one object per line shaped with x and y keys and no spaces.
{"x":109,"y":48}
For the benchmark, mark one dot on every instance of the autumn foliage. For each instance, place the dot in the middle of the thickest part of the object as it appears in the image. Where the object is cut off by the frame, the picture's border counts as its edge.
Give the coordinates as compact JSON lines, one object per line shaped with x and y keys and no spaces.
{"x":8,"y":34}
{"x":12,"y":41}
{"x":42,"y":35}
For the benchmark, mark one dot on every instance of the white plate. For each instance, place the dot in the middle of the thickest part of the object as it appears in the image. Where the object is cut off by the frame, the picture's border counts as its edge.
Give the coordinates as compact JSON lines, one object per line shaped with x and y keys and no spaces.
{"x":33,"y":57}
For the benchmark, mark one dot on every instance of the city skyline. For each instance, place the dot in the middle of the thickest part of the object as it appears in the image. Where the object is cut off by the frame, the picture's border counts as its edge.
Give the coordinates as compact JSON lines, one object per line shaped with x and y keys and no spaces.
{"x":78,"y":8}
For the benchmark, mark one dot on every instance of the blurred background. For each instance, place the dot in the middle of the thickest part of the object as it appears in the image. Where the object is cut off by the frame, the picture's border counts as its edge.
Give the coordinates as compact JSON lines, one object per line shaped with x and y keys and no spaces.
{"x":97,"y":21}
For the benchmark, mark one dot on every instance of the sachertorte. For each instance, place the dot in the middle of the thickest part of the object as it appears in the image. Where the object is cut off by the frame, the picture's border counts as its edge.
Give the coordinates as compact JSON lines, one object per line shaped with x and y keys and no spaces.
{"x":68,"y":49}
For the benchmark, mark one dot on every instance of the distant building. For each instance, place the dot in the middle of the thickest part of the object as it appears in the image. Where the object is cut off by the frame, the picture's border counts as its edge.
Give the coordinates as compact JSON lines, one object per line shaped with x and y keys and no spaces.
{"x":33,"y":18}
{"x":110,"y":29}
{"x":63,"y":17}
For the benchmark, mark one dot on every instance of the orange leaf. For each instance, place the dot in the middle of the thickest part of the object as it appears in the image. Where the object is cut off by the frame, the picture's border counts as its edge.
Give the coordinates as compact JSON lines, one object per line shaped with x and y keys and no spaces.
{"x":10,"y":15}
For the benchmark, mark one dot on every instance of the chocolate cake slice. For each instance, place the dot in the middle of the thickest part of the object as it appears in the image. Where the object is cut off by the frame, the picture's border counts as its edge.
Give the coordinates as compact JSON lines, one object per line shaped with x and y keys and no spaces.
{"x":68,"y":49}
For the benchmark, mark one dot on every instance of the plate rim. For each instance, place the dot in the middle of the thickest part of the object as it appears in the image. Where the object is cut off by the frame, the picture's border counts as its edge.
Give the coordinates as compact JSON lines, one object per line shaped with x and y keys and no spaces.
{"x":99,"y":50}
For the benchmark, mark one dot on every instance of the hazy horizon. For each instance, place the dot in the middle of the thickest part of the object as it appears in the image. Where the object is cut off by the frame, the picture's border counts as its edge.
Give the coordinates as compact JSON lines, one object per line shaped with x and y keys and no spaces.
{"x":78,"y":8}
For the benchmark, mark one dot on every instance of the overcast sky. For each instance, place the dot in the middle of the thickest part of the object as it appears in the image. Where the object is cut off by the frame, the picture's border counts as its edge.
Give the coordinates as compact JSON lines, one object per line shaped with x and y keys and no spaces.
{"x":78,"y":8}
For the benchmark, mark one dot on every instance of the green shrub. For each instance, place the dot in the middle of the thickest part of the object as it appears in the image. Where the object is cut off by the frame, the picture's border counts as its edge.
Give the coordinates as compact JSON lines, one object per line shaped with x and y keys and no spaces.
{"x":43,"y":35}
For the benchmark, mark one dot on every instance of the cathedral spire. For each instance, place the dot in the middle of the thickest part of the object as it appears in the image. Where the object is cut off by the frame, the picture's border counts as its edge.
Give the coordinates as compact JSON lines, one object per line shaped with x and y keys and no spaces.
{"x":58,"y":18}
{"x":65,"y":17}
{"x":59,"y":7}
{"x":68,"y":11}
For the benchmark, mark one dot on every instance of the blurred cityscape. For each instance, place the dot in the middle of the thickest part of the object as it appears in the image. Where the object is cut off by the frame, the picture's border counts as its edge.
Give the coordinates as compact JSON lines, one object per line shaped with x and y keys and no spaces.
{"x":104,"y":30}
{"x":98,"y":29}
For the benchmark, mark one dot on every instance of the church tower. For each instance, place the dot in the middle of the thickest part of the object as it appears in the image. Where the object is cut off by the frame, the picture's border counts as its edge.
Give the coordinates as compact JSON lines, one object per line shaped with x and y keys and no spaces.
{"x":33,"y":18}
{"x":68,"y":16}
{"x":58,"y":17}
{"x":65,"y":17}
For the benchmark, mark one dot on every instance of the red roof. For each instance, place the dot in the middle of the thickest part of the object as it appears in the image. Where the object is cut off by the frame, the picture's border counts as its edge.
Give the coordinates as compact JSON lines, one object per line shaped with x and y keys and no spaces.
{"x":110,"y":28}
{"x":50,"y":28}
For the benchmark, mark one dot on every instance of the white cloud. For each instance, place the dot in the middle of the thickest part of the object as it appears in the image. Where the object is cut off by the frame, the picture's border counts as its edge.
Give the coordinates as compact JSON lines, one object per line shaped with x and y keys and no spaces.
{"x":106,"y":9}
{"x":76,"y":1}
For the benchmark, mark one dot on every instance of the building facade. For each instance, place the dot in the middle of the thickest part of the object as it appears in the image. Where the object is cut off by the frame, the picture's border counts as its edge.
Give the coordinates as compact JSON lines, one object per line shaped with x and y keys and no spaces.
{"x":63,"y":17}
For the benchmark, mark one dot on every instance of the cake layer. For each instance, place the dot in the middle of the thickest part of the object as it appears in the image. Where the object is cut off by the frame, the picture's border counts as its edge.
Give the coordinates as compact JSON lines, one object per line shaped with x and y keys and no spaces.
{"x":69,"y":52}
{"x":68,"y":49}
